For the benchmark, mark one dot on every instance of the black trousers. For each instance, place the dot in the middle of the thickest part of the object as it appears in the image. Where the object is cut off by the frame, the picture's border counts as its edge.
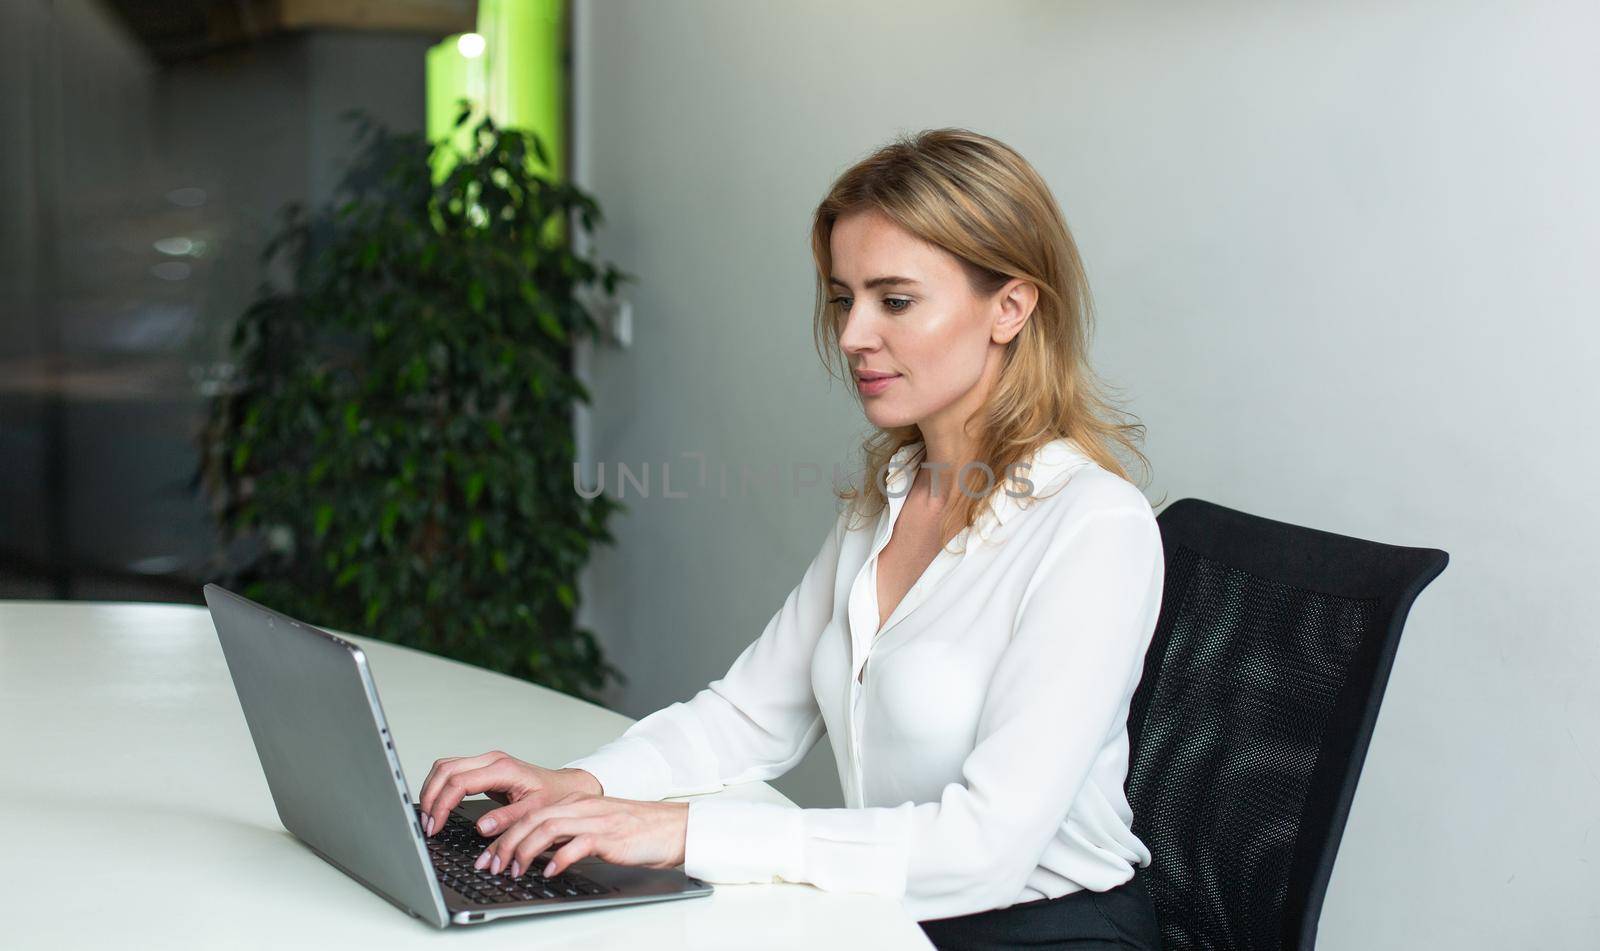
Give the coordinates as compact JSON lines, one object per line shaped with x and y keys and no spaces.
{"x":1113,"y":920}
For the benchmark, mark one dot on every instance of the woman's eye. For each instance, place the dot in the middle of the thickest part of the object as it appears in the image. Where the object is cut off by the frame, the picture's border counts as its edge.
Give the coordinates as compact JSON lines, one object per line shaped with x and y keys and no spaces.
{"x":896,"y":304}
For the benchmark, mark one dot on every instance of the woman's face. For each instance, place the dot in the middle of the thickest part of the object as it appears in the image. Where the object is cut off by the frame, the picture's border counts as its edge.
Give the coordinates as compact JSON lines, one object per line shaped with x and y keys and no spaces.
{"x":909,"y":318}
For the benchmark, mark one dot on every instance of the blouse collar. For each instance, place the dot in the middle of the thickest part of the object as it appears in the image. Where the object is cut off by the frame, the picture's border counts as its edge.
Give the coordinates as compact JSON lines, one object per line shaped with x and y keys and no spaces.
{"x":1049,"y":463}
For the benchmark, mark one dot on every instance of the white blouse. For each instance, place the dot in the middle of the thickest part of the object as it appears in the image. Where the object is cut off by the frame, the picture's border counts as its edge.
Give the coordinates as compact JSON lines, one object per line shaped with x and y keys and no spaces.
{"x":983,"y":749}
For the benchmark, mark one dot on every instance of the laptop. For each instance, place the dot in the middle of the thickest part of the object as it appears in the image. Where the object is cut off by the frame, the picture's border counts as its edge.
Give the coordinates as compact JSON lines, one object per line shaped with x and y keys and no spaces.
{"x":330,"y":762}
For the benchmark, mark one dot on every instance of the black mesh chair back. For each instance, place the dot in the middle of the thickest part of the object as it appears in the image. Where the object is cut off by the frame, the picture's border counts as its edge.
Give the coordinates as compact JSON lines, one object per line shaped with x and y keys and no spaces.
{"x":1247,"y":733}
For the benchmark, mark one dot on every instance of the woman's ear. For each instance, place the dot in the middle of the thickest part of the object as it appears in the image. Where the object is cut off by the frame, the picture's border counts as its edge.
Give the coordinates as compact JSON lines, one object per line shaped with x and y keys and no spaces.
{"x":1015,"y":303}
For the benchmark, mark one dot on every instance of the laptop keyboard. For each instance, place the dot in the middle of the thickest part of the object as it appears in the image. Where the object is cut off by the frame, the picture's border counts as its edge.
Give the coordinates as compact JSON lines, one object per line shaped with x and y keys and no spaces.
{"x":456,"y":846}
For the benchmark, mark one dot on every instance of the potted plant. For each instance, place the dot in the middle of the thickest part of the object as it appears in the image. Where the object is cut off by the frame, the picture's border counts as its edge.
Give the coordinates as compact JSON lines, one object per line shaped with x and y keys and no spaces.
{"x":393,"y":446}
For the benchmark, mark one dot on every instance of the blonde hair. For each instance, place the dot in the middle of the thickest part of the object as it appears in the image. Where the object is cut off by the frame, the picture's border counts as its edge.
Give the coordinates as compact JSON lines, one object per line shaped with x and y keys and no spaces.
{"x":979,"y":200}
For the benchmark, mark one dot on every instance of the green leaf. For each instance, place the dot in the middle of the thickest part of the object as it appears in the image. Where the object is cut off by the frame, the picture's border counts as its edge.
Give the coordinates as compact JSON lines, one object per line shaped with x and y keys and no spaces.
{"x":475,"y":296}
{"x":474,"y":488}
{"x":391,"y":514}
{"x":324,"y":519}
{"x":415,"y":375}
{"x":551,"y":326}
{"x":475,"y":531}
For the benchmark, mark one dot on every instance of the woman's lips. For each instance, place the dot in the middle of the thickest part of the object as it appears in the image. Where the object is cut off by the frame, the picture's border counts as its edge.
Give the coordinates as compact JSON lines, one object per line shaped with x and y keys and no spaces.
{"x":874,"y":387}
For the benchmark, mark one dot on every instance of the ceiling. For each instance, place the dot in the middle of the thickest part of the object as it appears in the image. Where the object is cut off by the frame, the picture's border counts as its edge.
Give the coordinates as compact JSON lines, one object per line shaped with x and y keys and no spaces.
{"x":176,"y":31}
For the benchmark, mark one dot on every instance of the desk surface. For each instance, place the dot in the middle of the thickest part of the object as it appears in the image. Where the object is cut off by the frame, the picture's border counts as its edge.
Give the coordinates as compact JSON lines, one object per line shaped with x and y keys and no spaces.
{"x":136,"y":814}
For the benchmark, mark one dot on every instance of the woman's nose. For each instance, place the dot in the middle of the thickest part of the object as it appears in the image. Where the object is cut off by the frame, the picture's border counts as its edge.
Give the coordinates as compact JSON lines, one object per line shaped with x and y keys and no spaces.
{"x":858,"y":334}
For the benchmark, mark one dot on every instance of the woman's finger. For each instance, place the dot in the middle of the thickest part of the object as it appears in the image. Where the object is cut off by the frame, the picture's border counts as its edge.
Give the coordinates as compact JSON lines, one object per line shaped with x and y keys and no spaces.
{"x":462,"y":783}
{"x":497,"y":820}
{"x":546,"y":828}
{"x":578,"y":847}
{"x":460,"y":780}
{"x":441,"y":771}
{"x":428,"y":781}
{"x":552,"y":832}
{"x":499,"y":854}
{"x":512,"y":835}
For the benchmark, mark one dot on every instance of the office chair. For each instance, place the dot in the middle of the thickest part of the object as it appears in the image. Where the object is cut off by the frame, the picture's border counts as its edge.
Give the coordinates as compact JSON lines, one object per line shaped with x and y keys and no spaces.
{"x":1249,"y":728}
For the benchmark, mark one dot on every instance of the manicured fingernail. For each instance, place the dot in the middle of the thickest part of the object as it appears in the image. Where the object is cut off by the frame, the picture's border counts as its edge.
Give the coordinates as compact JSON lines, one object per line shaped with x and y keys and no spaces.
{"x":488,"y":824}
{"x":483,"y":860}
{"x":430,"y":825}
{"x":516,"y":868}
{"x":549,"y":868}
{"x":494,"y":866}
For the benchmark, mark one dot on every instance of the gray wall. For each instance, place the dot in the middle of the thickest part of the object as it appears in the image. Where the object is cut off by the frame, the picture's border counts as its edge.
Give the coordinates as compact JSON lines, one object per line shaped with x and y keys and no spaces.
{"x":1343,"y":256}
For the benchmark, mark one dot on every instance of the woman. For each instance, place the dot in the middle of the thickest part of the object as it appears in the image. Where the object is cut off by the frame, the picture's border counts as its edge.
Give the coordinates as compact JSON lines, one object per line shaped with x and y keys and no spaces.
{"x":976,"y":696}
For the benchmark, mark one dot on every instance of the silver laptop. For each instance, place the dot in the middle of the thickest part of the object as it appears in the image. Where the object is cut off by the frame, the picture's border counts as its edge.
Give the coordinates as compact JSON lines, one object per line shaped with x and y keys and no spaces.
{"x":330,"y":762}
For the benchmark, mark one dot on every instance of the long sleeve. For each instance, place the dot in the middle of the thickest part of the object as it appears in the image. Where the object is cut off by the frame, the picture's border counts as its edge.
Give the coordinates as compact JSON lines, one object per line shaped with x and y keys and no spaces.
{"x":753,"y":724}
{"x":1057,"y":696}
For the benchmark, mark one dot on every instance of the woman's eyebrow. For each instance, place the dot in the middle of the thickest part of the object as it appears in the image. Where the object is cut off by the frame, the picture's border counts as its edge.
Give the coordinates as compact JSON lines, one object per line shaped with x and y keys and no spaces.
{"x":876,"y":282}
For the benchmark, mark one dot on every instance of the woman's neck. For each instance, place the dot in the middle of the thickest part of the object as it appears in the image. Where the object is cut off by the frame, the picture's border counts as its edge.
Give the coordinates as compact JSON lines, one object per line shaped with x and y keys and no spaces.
{"x":943,"y":455}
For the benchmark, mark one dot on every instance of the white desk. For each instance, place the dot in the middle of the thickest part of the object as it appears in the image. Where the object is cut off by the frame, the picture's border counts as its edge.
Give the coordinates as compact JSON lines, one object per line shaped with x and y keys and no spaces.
{"x":136,"y":814}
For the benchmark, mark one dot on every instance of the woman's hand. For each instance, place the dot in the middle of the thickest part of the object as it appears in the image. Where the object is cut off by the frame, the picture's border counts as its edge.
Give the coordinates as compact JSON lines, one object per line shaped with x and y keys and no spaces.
{"x":619,"y":831}
{"x":520,"y":786}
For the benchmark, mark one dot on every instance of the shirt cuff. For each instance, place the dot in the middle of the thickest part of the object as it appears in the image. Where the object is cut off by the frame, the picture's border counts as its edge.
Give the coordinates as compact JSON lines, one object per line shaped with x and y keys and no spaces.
{"x":738,"y":842}
{"x":628,"y":768}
